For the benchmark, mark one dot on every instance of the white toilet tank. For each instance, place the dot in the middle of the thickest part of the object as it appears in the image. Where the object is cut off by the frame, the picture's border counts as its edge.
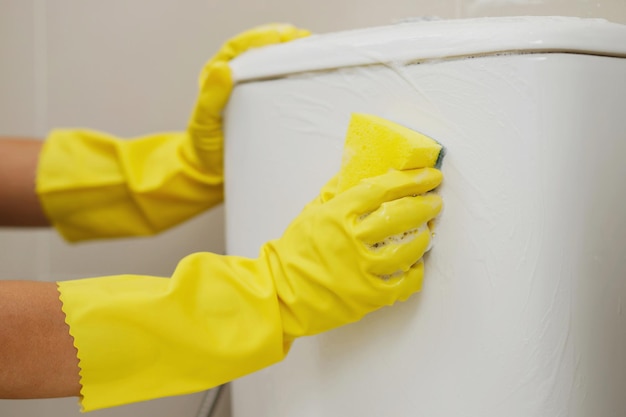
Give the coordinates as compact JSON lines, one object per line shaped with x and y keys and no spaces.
{"x":522,"y":312}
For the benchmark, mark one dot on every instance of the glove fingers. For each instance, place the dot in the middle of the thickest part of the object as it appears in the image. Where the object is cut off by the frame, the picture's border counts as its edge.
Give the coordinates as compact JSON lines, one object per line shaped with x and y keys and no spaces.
{"x":396,"y":254}
{"x":371,"y":193}
{"x":257,"y":37}
{"x":400,"y":286}
{"x":329,"y":190}
{"x":398,"y":216}
{"x":412,"y":281}
{"x":216,"y":81}
{"x":215,"y":88}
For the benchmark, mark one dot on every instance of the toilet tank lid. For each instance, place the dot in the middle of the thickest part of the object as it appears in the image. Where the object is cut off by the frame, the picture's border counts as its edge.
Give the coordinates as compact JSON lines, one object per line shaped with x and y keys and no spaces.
{"x":421,"y":40}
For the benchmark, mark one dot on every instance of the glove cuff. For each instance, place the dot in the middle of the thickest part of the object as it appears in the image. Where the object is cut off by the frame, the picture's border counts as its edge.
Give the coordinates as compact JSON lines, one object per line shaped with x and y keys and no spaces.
{"x":92,"y":185}
{"x":139,"y":338}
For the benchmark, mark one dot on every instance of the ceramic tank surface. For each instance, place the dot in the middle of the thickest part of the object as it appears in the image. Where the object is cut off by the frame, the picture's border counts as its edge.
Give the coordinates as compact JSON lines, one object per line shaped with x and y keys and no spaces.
{"x":521,"y":314}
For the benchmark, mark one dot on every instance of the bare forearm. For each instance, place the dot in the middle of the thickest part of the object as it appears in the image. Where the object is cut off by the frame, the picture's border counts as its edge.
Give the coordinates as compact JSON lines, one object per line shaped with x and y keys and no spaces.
{"x":37,"y":354}
{"x":19,"y":204}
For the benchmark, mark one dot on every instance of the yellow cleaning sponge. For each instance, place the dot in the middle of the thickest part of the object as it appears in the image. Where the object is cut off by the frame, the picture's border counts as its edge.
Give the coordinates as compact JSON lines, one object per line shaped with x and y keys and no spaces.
{"x":374,"y":146}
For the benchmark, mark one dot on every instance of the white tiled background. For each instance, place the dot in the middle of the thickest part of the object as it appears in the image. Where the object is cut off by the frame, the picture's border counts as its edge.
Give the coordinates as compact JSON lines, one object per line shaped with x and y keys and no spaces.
{"x":130,"y":68}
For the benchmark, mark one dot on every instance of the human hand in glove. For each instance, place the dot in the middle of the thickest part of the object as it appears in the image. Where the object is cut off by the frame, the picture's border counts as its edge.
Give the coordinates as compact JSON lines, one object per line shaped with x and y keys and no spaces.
{"x":93,"y":185}
{"x":222,"y":317}
{"x":216,"y":83}
{"x":351,"y":253}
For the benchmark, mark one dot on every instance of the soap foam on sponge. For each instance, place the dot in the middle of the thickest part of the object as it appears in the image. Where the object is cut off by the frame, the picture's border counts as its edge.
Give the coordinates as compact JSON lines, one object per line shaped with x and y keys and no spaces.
{"x":375,"y":145}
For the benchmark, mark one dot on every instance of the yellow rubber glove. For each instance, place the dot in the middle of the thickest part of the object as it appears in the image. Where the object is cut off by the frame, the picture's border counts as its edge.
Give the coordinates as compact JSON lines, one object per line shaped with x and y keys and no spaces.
{"x":221,"y":317}
{"x":205,"y":126}
{"x":94,"y":185}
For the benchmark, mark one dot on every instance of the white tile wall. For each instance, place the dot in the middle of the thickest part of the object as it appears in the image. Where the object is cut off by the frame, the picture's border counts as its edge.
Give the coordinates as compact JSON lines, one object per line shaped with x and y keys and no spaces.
{"x":614,"y":10}
{"x":17,"y":68}
{"x":130,"y":68}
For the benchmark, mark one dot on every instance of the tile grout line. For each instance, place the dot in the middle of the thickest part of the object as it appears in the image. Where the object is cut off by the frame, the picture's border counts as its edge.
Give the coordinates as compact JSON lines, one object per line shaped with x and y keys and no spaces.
{"x":458,"y":9}
{"x":40,"y":59}
{"x":41,"y":67}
